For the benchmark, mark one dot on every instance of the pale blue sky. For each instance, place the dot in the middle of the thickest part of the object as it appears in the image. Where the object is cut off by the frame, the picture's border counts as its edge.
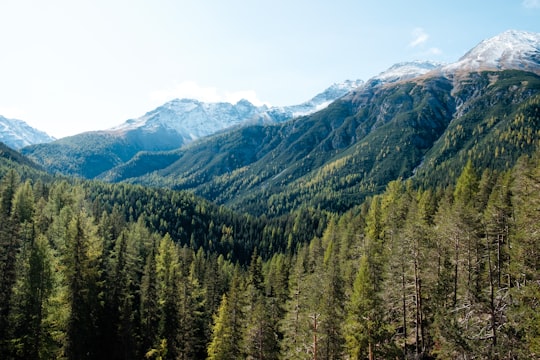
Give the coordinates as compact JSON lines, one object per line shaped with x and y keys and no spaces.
{"x":68,"y":66}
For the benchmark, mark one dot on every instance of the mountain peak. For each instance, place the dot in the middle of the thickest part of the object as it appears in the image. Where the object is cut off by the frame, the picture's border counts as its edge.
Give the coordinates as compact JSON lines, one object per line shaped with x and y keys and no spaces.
{"x":346,"y":85}
{"x":18,"y":134}
{"x":405,"y":70}
{"x":191,"y":119}
{"x":512,"y":49}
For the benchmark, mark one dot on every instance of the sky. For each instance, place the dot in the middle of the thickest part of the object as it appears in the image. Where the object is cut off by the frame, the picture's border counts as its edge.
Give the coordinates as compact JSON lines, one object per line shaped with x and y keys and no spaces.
{"x":69,"y":66}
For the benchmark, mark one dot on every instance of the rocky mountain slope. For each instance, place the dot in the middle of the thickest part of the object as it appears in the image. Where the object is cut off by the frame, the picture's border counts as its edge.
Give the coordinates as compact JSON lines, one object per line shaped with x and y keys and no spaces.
{"x":417,"y":120}
{"x":423,"y":126}
{"x":512,"y":49}
{"x":18,"y":134}
{"x":170,"y":126}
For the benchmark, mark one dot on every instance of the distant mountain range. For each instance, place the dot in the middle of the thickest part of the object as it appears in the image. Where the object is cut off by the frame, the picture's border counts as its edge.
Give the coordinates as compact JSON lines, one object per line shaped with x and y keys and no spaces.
{"x":190,"y":119}
{"x":18,"y":134}
{"x":176,"y":123}
{"x":418,"y":120}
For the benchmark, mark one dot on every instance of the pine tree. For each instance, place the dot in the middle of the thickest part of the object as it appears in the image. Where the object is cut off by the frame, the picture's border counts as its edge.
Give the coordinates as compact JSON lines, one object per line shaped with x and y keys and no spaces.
{"x":498,"y":224}
{"x":364,"y":314}
{"x":83,"y":253}
{"x":261,"y":334}
{"x":168,"y":278}
{"x":366,"y":334}
{"x":9,"y":246}
{"x":524,"y":262}
{"x":221,"y":347}
{"x":228,"y":327}
{"x":394,"y":205}
{"x":122,"y":296}
{"x":332,"y":301}
{"x":296,"y":325}
{"x":420,"y":257}
{"x":32,"y":296}
{"x":149,"y":303}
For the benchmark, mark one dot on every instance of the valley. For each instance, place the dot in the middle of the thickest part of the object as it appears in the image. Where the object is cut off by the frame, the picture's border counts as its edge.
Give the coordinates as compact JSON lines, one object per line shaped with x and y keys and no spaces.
{"x":392,"y":218}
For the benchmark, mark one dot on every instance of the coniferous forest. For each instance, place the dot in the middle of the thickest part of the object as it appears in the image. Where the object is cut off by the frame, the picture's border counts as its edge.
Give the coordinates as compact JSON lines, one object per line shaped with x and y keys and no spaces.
{"x":91,"y":270}
{"x":401,"y":222}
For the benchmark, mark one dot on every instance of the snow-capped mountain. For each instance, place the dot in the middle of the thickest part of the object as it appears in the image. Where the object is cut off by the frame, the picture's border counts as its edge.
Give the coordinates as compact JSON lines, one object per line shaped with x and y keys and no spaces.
{"x":192,"y":119}
{"x":319,"y":102}
{"x":404,"y":71}
{"x":180,"y":121}
{"x":18,"y":134}
{"x":512,"y":49}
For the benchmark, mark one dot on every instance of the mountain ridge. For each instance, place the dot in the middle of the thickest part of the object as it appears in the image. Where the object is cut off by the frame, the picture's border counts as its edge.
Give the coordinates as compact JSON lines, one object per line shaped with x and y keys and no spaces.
{"x":18,"y":134}
{"x":91,"y":153}
{"x":193,"y":119}
{"x":509,"y":50}
{"x":408,"y":121}
{"x":377,"y":133}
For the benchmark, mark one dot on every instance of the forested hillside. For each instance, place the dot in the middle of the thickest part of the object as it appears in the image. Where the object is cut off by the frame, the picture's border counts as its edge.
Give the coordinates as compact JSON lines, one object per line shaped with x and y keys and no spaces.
{"x":426,"y":128}
{"x":101,"y":271}
{"x":400,"y":222}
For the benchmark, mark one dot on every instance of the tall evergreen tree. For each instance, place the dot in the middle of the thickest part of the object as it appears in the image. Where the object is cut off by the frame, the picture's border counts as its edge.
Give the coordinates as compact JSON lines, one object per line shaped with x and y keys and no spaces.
{"x":366,"y":333}
{"x":228,"y":328}
{"x":364,"y":328}
{"x":296,"y":325}
{"x":122,"y":290}
{"x":524,"y":262}
{"x":260,"y":337}
{"x":83,"y":253}
{"x":332,"y":303}
{"x":149,"y":319}
{"x":168,"y":278}
{"x":9,"y":246}
{"x":36,"y":285}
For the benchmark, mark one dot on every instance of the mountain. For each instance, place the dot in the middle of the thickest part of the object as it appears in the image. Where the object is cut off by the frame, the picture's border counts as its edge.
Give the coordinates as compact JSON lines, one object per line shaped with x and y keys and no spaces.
{"x":404,"y":71}
{"x":148,"y":161}
{"x":319,"y":102}
{"x":176,"y":123}
{"x":192,"y":119}
{"x":418,"y":121}
{"x":18,"y":134}
{"x":9,"y":157}
{"x":512,"y":49}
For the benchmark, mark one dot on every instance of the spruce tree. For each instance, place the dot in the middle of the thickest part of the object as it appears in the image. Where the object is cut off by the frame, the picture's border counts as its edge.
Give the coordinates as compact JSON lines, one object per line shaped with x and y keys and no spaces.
{"x":229,"y":324}
{"x":83,"y":253}
{"x":168,"y":278}
{"x":32,"y":295}
{"x":9,"y":246}
{"x":149,"y":319}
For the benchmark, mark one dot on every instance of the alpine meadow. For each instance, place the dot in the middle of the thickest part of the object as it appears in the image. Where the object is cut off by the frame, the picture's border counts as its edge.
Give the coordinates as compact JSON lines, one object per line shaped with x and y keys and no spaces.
{"x":396,"y":218}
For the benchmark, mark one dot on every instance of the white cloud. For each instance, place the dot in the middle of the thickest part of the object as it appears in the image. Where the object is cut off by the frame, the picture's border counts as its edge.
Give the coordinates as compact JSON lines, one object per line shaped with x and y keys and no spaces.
{"x":531,"y":4}
{"x":419,"y":37}
{"x":192,"y":90}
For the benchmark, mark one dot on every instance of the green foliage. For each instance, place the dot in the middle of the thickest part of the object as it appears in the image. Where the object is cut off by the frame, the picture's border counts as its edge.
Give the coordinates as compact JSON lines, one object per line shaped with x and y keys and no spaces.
{"x":450,"y":270}
{"x":92,"y":153}
{"x":448,"y":273}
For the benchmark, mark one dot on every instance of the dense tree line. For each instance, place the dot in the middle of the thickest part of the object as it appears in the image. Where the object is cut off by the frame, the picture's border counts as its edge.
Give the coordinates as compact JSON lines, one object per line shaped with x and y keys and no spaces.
{"x":97,"y":271}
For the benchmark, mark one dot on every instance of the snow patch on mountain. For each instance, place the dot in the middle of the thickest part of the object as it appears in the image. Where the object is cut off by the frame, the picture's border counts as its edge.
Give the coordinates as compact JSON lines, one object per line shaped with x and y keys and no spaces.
{"x":405,"y":71}
{"x":512,"y":49}
{"x":319,"y":102}
{"x":192,"y":119}
{"x":18,"y":134}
